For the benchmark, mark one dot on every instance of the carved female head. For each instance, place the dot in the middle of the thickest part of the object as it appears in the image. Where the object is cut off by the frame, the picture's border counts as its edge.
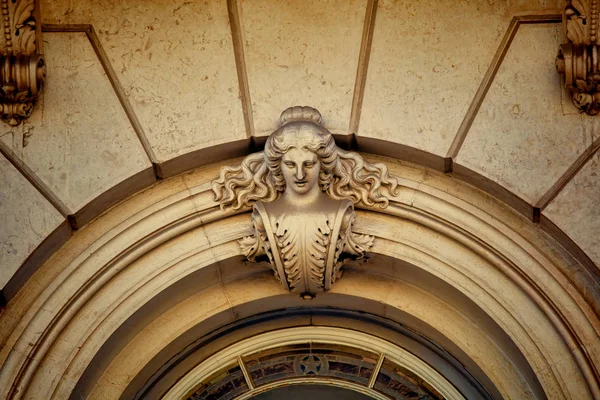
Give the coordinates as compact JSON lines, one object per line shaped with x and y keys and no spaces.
{"x":264,"y":176}
{"x":300,"y":152}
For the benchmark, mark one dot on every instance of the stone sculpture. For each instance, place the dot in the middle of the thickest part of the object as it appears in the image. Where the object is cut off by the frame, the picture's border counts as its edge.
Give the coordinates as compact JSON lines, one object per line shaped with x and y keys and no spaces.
{"x":578,"y":60}
{"x":303,"y":189}
{"x":22,"y":69}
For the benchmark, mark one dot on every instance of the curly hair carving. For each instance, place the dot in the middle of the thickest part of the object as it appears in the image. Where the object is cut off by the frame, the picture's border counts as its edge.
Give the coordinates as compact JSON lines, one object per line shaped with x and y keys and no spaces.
{"x":343,"y":174}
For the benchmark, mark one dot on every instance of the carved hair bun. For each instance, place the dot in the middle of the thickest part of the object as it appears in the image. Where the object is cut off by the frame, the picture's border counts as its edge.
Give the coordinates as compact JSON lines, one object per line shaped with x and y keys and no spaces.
{"x":300,"y":113}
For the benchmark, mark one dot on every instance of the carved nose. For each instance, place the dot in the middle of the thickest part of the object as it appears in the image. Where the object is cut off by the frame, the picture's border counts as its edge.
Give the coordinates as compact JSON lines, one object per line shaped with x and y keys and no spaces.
{"x":299,"y":173}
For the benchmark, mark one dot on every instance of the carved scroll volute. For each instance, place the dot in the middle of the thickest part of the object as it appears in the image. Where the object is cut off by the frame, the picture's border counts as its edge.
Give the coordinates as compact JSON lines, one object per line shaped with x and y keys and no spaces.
{"x":22,"y":67}
{"x":578,"y":59}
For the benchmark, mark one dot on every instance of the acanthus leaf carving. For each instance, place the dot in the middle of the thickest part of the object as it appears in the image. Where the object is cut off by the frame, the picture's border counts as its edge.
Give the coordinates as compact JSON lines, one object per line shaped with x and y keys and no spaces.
{"x":578,"y":59}
{"x":303,"y":189}
{"x":303,"y":250}
{"x":576,"y":18}
{"x":23,"y":69}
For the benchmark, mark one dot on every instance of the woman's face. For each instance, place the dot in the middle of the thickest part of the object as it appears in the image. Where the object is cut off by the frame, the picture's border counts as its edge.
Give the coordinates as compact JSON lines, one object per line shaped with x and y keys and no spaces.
{"x":300,"y":168}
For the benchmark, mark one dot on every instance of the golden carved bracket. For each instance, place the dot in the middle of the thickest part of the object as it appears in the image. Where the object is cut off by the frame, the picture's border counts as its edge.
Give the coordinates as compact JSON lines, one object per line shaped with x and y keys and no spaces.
{"x":578,"y":59}
{"x":22,"y":67}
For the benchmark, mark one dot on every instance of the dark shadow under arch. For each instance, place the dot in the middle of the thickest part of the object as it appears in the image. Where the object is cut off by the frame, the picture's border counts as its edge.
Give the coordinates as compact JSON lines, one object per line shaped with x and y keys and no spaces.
{"x":288,"y":310}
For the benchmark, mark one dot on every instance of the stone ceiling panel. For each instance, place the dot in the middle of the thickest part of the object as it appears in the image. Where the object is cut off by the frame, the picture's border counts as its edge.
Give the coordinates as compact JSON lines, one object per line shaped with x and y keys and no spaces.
{"x":302,"y":53}
{"x":79,"y":141}
{"x":532,"y":6}
{"x":176,"y":63}
{"x":527,"y":133}
{"x":428,"y":59}
{"x":26,"y":218}
{"x":575,"y":209}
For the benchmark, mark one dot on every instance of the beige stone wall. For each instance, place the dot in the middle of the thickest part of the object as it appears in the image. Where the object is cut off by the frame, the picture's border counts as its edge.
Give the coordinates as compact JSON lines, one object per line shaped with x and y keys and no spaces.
{"x":175,"y":66}
{"x":26,"y":219}
{"x":146,"y":277}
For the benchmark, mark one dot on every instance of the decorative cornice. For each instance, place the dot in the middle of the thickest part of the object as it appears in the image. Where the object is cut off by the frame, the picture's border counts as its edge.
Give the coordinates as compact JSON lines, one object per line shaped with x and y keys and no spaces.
{"x":578,"y":58}
{"x":22,"y":67}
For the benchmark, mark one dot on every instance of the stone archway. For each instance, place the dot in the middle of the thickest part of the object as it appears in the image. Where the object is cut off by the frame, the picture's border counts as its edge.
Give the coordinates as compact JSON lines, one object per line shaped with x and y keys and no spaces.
{"x":449,"y":262}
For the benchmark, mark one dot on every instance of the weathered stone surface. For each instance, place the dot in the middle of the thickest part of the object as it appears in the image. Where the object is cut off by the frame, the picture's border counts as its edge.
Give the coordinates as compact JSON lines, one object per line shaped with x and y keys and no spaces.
{"x":443,"y":245}
{"x":517,"y":6}
{"x":304,"y":53}
{"x":176,"y":64}
{"x":526,"y":134}
{"x":79,"y":142}
{"x":26,"y":218}
{"x":427,"y":60}
{"x":575,"y":209}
